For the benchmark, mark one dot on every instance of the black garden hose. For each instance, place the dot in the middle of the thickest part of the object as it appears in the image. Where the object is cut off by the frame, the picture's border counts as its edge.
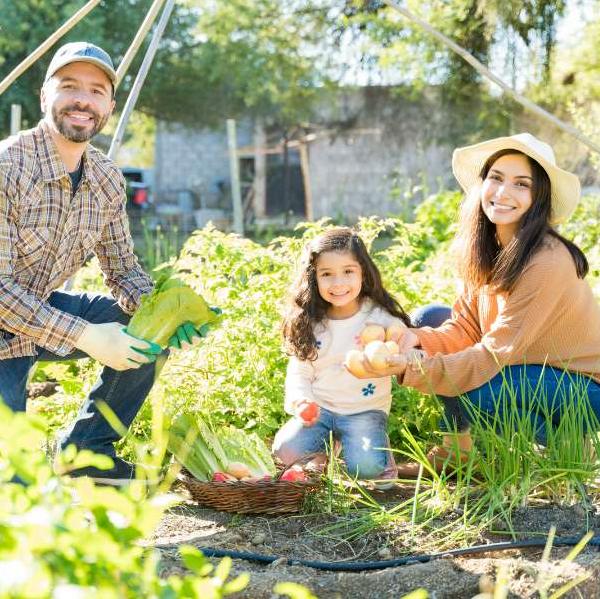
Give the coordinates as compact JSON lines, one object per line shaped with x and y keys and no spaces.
{"x":393,"y":563}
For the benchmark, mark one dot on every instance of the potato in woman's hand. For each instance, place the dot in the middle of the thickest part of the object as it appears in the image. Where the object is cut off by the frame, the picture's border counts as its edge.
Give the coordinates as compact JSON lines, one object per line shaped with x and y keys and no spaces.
{"x":377,"y":353}
{"x":393,"y":347}
{"x":395,"y":332}
{"x":354,"y":363}
{"x":372,"y":332}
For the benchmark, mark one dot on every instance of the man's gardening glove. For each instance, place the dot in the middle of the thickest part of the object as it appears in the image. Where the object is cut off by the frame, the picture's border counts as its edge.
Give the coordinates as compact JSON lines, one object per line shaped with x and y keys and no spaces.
{"x":187,"y":335}
{"x":112,"y":346}
{"x":149,"y":352}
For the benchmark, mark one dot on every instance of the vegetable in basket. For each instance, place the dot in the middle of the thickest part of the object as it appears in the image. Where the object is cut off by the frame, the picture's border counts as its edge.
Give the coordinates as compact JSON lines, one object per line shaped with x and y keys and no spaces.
{"x":230,"y":452}
{"x":171,"y":314}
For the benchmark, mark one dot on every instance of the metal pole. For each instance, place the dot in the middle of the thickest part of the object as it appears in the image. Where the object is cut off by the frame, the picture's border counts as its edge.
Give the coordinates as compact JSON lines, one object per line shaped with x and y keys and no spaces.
{"x":139,"y":80}
{"x":43,"y":48}
{"x":234,"y":169}
{"x":15,"y":118}
{"x":139,"y":38}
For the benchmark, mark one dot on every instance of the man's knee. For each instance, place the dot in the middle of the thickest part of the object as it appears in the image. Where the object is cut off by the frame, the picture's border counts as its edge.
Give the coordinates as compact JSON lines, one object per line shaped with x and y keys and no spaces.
{"x":106,"y":309}
{"x":95,"y":308}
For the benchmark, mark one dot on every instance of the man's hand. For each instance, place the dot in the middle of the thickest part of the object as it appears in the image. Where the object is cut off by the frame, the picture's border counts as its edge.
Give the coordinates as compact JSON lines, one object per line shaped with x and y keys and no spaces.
{"x":187,"y":335}
{"x":308,"y":412}
{"x":112,"y":346}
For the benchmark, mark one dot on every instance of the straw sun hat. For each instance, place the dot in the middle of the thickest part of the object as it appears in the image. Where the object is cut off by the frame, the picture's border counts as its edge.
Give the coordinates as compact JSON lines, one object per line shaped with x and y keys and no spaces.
{"x":467,"y":163}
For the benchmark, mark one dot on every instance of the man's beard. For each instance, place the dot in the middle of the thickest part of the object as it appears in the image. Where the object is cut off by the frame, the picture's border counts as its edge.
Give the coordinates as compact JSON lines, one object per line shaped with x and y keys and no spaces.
{"x":73,"y":132}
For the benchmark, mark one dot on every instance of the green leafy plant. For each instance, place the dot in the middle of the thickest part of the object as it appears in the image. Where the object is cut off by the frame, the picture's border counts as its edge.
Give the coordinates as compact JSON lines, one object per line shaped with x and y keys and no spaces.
{"x":71,"y":538}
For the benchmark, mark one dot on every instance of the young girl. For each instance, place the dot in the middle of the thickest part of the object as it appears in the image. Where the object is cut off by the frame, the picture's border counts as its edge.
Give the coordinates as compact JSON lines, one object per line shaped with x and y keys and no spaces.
{"x":526,"y":313}
{"x":339,"y":292}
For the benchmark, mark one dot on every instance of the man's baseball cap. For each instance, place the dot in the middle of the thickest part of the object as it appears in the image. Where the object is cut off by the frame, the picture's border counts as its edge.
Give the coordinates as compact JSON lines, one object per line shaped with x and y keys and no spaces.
{"x":82,"y":52}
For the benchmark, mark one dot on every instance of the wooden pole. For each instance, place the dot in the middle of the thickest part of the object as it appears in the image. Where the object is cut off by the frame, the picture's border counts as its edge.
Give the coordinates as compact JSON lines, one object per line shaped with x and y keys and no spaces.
{"x":139,"y":80}
{"x":304,"y":167}
{"x":234,"y":169}
{"x":260,"y":169}
{"x":43,"y":48}
{"x":286,"y":178}
{"x":483,"y":70}
{"x":138,"y":40}
{"x":15,"y":118}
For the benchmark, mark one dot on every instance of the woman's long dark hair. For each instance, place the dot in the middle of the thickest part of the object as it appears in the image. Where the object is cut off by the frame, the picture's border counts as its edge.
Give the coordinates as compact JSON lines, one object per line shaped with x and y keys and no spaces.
{"x":308,"y":308}
{"x":484,"y":260}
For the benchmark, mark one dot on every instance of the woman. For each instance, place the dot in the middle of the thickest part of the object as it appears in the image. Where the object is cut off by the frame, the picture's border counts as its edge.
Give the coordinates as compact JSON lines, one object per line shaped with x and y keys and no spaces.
{"x":526,"y":314}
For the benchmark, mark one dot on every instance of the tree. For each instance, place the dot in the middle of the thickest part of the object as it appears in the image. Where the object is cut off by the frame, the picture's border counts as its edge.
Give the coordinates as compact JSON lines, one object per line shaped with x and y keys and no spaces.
{"x":243,"y":57}
{"x":574,"y":87}
{"x":216,"y":58}
{"x":477,"y":25}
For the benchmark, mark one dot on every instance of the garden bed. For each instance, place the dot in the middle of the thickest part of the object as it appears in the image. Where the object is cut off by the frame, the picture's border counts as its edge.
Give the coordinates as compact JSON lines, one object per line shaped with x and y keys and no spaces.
{"x":298,"y":537}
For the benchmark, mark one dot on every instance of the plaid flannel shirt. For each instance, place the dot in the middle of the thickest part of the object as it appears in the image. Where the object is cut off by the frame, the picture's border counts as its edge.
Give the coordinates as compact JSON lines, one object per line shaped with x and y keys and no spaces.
{"x":46,"y":235}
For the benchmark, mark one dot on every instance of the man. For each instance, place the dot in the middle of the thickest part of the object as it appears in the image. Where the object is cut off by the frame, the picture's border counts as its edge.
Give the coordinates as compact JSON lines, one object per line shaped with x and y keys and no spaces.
{"x":60,"y":201}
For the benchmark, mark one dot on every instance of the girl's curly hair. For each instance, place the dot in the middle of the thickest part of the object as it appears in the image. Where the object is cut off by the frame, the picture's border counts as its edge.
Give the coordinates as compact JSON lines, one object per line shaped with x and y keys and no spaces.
{"x":307,"y":308}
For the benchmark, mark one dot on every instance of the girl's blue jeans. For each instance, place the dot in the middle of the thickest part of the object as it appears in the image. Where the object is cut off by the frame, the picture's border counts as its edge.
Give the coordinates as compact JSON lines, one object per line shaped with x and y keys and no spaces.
{"x":538,"y":393}
{"x":363,"y":437}
{"x":123,"y":391}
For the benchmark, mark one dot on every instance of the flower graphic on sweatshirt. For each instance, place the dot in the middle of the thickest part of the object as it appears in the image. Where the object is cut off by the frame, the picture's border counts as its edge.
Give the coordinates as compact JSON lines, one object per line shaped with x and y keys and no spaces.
{"x":368,"y":390}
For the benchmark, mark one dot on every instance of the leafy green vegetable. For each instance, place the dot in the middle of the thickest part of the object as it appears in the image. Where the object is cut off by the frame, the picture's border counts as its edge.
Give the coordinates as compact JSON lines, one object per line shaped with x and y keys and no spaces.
{"x":187,"y":444}
{"x":171,"y":304}
{"x":247,"y":448}
{"x":203,"y":451}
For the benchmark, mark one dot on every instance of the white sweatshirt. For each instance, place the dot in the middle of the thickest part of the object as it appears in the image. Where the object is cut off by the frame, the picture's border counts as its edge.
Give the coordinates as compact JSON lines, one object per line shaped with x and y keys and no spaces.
{"x":326,"y":381}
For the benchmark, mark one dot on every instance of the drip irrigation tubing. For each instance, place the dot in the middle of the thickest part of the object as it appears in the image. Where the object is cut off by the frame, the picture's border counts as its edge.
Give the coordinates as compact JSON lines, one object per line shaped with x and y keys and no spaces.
{"x":393,"y":563}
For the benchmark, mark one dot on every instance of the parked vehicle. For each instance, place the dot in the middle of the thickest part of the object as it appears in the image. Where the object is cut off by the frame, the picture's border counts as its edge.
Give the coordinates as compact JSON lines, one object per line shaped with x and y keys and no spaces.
{"x":139,"y":188}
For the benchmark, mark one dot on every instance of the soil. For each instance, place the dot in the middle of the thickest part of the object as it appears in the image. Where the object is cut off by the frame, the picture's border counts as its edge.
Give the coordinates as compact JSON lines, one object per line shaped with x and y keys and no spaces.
{"x":298,"y":537}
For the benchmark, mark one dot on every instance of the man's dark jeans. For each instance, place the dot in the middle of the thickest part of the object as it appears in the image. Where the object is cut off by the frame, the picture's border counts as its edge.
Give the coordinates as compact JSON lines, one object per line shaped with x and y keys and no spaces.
{"x":123,"y":391}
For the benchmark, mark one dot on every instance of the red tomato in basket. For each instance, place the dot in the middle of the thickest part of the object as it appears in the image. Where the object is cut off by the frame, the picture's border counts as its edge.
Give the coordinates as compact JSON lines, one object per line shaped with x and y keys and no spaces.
{"x":294,"y":474}
{"x":222,"y":477}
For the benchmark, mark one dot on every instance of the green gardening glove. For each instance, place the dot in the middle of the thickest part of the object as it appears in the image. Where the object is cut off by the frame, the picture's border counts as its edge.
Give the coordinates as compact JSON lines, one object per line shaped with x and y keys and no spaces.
{"x":151,"y":352}
{"x":188,"y":333}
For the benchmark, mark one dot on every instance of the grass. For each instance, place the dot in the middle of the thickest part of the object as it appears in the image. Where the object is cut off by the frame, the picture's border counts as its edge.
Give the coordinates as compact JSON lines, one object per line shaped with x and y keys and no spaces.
{"x":507,"y":469}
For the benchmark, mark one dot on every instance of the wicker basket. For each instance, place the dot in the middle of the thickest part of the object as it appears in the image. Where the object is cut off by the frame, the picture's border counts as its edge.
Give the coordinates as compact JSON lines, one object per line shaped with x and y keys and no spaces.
{"x":248,"y":497}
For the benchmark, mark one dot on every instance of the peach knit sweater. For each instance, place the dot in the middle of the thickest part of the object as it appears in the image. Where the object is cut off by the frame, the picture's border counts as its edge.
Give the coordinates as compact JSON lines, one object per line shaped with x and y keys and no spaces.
{"x":550,"y":317}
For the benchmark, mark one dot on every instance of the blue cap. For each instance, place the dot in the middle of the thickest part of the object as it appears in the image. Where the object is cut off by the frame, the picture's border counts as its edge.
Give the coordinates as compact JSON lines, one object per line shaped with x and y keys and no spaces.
{"x":82,"y":52}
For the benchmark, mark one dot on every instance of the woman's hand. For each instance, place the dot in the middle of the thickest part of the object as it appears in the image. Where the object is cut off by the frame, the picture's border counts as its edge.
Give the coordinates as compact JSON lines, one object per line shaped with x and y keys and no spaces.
{"x":396,"y":365}
{"x":406,"y":340}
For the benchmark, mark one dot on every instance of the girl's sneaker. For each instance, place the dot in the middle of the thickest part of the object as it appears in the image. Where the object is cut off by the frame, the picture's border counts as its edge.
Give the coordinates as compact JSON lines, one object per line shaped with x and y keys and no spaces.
{"x":440,"y":458}
{"x":388,"y":477}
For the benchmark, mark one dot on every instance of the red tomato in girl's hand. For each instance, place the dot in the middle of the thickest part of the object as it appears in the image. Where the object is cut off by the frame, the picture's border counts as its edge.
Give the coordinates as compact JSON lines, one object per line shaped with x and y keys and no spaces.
{"x":309,"y":412}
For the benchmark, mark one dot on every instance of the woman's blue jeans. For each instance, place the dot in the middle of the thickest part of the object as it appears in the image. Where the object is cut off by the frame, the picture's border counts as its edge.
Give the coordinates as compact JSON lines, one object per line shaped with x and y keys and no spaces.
{"x":538,"y":393}
{"x":123,"y":391}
